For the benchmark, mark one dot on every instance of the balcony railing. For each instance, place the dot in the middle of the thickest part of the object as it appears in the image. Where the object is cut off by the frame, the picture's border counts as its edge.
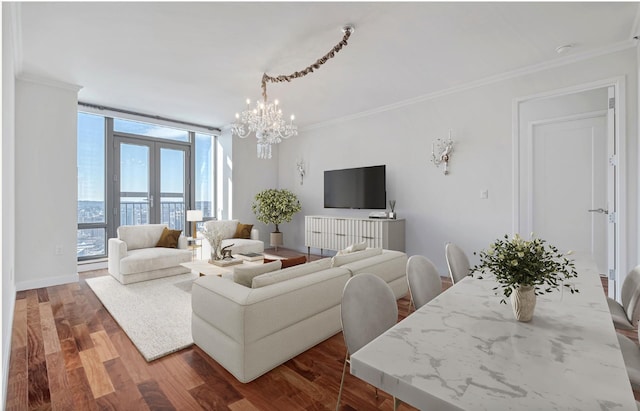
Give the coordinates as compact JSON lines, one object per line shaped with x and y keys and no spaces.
{"x":92,"y":242}
{"x":172,"y":213}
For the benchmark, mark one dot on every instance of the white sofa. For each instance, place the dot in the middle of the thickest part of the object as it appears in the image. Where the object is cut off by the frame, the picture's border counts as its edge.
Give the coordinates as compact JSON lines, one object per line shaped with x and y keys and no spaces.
{"x":134,"y":257}
{"x":240,"y":245}
{"x":250,"y":331}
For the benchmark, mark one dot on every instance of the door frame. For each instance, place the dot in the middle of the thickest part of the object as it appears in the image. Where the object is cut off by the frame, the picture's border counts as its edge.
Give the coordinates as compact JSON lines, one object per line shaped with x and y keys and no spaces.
{"x":155,"y":146}
{"x":618,"y":83}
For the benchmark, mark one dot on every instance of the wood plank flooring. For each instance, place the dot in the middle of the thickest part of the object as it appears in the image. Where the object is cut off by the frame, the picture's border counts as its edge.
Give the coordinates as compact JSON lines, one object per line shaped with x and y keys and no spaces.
{"x":67,"y":353}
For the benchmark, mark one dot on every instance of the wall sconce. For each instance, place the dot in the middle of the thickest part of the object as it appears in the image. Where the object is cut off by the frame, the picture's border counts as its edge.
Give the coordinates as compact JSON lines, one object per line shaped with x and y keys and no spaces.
{"x":441,"y":152}
{"x":300,"y":167}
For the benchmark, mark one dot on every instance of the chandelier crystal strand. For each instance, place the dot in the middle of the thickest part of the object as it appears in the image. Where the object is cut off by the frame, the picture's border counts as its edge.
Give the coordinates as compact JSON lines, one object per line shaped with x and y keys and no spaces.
{"x":266,"y":119}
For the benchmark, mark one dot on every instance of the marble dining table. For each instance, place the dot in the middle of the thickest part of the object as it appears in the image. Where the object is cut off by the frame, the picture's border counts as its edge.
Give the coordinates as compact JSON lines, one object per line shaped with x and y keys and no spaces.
{"x":466,"y":351}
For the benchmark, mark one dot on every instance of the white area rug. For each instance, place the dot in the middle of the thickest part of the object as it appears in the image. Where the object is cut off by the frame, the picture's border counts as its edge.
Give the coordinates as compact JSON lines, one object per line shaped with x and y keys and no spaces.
{"x":156,"y":314}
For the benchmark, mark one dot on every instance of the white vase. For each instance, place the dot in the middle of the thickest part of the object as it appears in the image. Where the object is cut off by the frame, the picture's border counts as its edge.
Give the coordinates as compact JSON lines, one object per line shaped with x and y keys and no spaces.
{"x":523,"y":302}
{"x":276,"y":240}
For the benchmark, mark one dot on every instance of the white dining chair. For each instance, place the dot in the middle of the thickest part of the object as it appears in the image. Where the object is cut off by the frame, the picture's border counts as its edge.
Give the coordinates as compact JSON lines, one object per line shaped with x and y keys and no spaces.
{"x":457,"y":262}
{"x":368,"y":309}
{"x":631,"y":355}
{"x":626,"y":315}
{"x":423,"y":279}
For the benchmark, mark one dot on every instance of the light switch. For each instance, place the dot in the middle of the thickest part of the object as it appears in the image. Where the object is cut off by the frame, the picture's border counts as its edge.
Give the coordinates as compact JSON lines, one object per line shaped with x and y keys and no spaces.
{"x":484,"y":194}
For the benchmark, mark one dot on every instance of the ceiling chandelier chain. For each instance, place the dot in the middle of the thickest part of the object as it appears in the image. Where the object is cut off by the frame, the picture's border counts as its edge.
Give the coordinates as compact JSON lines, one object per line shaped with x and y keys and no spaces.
{"x":266,"y":118}
{"x":298,"y":74}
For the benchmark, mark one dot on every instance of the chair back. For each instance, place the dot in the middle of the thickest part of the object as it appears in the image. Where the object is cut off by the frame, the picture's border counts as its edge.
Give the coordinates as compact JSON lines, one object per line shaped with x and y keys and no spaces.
{"x":424,"y":280}
{"x":457,"y":262}
{"x":368,"y":309}
{"x":141,"y":235}
{"x":630,"y":295}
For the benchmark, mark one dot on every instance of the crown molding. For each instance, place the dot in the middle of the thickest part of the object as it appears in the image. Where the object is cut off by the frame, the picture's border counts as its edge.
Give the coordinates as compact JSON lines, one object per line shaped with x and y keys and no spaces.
{"x":33,"y":78}
{"x":535,"y":68}
{"x":636,"y":24}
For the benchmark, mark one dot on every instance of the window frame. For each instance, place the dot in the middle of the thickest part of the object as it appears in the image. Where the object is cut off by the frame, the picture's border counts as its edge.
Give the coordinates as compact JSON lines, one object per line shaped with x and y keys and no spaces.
{"x":112,"y":217}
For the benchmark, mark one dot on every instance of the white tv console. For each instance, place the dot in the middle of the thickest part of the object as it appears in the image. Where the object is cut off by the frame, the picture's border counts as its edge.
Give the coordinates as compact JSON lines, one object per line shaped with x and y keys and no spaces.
{"x":336,"y":233}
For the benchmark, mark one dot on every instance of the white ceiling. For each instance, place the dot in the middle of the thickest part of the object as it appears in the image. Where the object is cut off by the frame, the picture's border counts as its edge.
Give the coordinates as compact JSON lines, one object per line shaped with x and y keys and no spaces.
{"x":199,"y":61}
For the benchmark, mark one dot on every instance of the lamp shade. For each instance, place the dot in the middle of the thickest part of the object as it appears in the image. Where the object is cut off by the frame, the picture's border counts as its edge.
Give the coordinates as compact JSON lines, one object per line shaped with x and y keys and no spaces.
{"x":194,"y":215}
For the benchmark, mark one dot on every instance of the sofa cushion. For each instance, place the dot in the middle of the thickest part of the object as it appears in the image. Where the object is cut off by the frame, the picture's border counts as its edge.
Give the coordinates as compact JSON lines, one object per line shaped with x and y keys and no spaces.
{"x":226,"y":227}
{"x":243,"y":274}
{"x":340,"y":260}
{"x":243,"y":231}
{"x":289,"y":262}
{"x":155,"y":258}
{"x":140,"y":236}
{"x":169,"y":238}
{"x":390,"y":265}
{"x":289,"y":273}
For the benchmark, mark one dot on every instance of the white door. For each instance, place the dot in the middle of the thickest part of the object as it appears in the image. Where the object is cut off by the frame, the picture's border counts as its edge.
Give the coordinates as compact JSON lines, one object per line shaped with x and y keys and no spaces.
{"x":568,"y":205}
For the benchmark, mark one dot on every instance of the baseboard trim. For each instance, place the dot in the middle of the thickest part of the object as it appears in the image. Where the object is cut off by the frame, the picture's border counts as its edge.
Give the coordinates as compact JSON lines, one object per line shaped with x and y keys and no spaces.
{"x":100,"y":265}
{"x":6,"y":349}
{"x":46,"y":282}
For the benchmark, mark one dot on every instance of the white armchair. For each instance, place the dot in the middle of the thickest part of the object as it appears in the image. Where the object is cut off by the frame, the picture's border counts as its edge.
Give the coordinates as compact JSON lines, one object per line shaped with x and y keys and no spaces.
{"x":134,"y":257}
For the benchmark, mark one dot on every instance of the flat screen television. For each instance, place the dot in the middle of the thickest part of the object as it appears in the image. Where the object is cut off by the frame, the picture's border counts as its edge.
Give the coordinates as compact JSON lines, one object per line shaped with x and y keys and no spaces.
{"x":362,"y":187}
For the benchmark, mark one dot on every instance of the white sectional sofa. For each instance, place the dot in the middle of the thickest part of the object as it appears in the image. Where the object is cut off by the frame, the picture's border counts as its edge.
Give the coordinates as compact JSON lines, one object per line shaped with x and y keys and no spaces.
{"x":228,"y":230}
{"x":134,"y":257}
{"x":250,"y":331}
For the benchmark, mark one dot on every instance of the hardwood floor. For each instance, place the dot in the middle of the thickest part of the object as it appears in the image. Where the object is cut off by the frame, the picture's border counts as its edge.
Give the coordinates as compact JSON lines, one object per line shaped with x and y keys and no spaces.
{"x":67,"y":353}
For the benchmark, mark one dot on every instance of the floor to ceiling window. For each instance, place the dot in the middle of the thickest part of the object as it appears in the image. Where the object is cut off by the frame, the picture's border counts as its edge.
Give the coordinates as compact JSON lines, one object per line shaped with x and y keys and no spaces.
{"x":92,"y":214}
{"x":130,"y":172}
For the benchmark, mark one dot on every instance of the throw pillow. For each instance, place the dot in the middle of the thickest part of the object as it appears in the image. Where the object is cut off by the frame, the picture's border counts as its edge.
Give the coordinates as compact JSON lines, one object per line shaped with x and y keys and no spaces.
{"x":289,"y":262}
{"x":169,"y":238}
{"x":243,"y":231}
{"x":353,"y":248}
{"x":243,"y":274}
{"x":340,"y":260}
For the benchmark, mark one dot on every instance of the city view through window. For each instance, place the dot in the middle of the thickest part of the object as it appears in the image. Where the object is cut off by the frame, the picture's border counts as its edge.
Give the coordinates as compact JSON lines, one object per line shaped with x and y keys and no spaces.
{"x":135,"y":205}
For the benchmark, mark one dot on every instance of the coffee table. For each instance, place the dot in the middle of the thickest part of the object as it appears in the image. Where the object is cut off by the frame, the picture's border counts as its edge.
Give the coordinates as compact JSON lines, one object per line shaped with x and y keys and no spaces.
{"x":204,"y":268}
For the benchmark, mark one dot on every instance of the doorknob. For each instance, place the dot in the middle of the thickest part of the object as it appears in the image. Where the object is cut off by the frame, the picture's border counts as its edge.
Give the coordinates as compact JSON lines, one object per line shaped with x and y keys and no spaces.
{"x":599,"y":210}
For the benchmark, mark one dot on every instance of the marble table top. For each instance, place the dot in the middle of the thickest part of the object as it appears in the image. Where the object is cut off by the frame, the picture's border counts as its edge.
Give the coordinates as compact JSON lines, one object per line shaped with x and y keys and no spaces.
{"x":466,"y":351}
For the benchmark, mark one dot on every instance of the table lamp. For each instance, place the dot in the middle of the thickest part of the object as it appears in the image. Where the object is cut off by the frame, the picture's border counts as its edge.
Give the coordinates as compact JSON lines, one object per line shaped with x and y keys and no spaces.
{"x":194,"y":216}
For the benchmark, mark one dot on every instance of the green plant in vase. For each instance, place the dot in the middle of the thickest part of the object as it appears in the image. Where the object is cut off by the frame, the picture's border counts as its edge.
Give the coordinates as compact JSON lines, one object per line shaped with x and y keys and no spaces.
{"x":525,"y":269}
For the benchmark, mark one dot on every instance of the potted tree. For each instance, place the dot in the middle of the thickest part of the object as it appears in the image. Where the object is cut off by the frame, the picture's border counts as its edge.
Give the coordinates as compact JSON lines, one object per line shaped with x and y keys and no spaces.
{"x":273,"y":206}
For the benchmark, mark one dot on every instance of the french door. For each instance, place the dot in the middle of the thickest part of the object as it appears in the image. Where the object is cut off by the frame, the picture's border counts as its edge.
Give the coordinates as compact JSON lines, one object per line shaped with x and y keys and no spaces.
{"x":151,"y":182}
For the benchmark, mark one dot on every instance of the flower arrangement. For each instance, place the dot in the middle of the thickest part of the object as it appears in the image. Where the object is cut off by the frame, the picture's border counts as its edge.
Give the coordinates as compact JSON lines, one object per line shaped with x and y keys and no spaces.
{"x":275,"y":206}
{"x":214,"y":237}
{"x":534,"y":263}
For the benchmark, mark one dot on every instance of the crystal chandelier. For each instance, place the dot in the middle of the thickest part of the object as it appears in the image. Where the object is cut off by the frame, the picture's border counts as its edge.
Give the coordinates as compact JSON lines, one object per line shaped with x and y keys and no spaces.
{"x":266,"y":119}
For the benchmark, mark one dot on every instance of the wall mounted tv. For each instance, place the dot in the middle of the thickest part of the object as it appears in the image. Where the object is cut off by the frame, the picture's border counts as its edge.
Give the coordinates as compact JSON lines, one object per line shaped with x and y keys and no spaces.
{"x":363,"y":187}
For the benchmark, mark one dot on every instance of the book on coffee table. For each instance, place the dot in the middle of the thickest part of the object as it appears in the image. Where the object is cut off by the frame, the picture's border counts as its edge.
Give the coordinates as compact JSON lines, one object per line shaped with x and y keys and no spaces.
{"x":250,"y":256}
{"x":226,"y":263}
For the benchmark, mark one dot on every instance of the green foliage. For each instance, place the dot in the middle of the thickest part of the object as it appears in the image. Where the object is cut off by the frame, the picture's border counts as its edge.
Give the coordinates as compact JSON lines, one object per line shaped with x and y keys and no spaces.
{"x":274,"y":206}
{"x":518,"y":262}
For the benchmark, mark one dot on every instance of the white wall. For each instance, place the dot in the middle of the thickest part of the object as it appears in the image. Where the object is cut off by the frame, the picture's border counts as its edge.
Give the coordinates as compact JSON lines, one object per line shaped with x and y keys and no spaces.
{"x":251,"y":175}
{"x":440,"y":208}
{"x":46,"y":183}
{"x":7,"y":205}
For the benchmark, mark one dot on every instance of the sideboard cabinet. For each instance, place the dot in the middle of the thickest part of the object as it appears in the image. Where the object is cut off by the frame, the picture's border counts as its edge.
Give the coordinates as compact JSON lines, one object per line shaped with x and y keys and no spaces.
{"x":336,"y":233}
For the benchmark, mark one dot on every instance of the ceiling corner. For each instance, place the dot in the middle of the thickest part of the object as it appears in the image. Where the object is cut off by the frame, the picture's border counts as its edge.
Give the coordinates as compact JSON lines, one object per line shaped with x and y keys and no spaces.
{"x":636,"y":23}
